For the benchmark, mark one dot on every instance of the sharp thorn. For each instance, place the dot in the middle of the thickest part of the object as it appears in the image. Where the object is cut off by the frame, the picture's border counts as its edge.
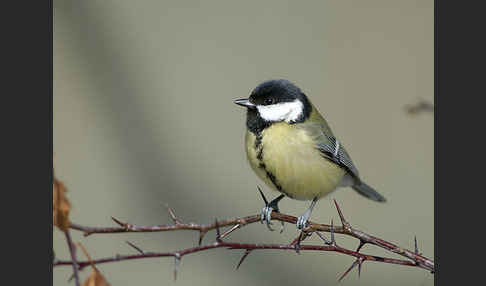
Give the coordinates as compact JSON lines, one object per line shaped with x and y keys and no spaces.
{"x":302,"y":236}
{"x":416,"y":246}
{"x":177,"y":262}
{"x":359,"y":268}
{"x":218,"y":232}
{"x":333,"y":241}
{"x":263,"y":196}
{"x":349,"y":269}
{"x":361,"y":244}
{"x":119,"y":222}
{"x":293,"y":242}
{"x":134,"y":246}
{"x":243,"y":258}
{"x":172,"y":215}
{"x":297,"y":244}
{"x":230,"y":230}
{"x":341,"y":216}
{"x":72,"y":275}
{"x":201,"y":236}
{"x":326,"y":241}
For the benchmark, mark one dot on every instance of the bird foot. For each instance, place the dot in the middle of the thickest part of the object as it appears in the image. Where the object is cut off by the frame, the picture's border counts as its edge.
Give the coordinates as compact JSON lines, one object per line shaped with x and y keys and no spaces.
{"x":302,"y":221}
{"x":266,"y":214}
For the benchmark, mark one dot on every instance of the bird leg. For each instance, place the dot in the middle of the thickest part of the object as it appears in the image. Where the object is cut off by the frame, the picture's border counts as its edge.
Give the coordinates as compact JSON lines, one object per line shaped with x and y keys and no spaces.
{"x":302,"y":220}
{"x":267,"y":210}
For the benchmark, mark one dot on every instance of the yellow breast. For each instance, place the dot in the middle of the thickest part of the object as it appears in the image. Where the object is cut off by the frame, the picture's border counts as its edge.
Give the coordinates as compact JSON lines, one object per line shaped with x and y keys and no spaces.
{"x":285,"y":157}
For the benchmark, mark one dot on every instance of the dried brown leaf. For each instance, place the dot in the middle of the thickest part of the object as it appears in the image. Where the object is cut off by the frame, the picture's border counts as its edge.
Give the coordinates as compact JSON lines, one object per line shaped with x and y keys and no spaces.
{"x":60,"y":206}
{"x":96,"y":279}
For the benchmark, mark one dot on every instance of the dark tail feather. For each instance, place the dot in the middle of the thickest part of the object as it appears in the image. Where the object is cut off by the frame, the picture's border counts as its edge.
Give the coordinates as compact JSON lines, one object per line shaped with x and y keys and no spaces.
{"x":369,"y":192}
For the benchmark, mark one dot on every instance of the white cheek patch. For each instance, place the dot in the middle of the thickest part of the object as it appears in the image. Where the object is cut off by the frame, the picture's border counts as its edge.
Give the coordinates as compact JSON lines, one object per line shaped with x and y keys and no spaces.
{"x":288,"y":111}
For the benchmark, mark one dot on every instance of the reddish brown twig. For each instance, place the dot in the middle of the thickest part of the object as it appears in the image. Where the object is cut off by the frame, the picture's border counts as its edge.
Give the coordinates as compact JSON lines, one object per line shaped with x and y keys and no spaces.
{"x":233,"y":245}
{"x":237,"y":223}
{"x":422,"y":261}
{"x":74,"y":262}
{"x":417,"y":260}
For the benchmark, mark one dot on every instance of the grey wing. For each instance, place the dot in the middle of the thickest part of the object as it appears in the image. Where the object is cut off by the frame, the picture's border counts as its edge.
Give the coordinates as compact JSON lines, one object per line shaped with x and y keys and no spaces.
{"x":332,"y":149}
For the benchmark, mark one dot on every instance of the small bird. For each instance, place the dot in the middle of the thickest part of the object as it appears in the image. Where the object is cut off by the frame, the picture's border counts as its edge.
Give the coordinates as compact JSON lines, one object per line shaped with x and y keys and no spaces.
{"x":291,"y":147}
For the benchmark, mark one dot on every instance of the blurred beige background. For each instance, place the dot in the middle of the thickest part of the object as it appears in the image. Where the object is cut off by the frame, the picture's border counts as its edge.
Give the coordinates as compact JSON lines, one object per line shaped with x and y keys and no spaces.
{"x":144,"y":115}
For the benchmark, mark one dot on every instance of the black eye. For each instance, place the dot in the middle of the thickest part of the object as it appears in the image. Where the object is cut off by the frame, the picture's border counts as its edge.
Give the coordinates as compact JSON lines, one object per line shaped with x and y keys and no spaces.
{"x":268,"y":101}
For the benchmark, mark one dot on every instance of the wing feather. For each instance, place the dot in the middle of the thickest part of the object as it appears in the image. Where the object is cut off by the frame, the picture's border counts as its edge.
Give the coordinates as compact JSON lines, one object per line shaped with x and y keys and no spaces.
{"x":333,"y":150}
{"x":330,"y":147}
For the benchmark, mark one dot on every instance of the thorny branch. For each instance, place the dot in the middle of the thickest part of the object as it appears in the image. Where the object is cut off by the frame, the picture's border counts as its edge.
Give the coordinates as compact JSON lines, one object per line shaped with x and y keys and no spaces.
{"x":413,"y":258}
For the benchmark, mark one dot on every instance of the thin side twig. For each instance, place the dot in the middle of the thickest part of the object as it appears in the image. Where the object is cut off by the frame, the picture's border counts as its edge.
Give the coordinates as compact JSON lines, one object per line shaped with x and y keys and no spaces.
{"x":74,"y":262}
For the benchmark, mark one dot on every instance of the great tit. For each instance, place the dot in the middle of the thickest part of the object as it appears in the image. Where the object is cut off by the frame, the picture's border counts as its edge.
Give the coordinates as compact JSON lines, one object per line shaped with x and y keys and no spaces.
{"x":292,"y":149}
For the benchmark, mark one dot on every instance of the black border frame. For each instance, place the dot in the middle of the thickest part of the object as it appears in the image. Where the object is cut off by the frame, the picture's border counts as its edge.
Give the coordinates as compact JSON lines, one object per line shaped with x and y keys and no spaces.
{"x":457,"y":45}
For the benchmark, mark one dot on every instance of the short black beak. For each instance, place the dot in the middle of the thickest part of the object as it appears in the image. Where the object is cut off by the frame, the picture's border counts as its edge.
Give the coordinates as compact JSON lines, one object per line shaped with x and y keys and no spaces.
{"x":245,"y":102}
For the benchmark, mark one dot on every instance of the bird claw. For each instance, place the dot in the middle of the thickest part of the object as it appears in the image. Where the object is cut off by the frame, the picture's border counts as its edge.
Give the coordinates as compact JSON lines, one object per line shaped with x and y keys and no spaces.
{"x":267,"y":216}
{"x":268,"y":209}
{"x":302,"y":221}
{"x":282,"y":227}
